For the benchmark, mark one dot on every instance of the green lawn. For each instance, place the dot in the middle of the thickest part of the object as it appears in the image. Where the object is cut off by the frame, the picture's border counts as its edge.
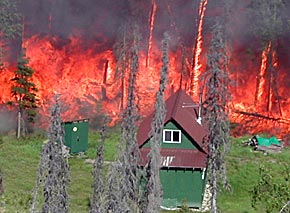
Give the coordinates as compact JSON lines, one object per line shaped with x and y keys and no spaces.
{"x":19,"y":164}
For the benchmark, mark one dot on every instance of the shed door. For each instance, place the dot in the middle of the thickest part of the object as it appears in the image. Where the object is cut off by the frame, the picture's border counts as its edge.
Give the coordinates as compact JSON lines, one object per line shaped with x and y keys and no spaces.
{"x":182,"y":185}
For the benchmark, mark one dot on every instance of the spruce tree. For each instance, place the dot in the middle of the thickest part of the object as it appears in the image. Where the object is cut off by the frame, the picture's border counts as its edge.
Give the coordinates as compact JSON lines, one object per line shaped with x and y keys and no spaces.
{"x":131,"y":156}
{"x":123,"y":176}
{"x":24,"y":94}
{"x":217,"y":95}
{"x":53,"y":171}
{"x":97,"y":200}
{"x":153,"y":191}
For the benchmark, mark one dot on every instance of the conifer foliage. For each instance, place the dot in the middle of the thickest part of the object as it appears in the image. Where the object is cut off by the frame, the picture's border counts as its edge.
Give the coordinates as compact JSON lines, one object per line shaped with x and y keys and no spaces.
{"x":217,"y":95}
{"x":97,"y":200}
{"x":53,"y":171}
{"x":24,"y":94}
{"x":153,"y":188}
{"x":131,"y":154}
{"x":123,"y":195}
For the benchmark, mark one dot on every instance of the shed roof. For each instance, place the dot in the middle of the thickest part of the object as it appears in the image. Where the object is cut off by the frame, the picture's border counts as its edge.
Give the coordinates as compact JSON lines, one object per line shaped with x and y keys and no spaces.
{"x":181,"y":158}
{"x":181,"y":109}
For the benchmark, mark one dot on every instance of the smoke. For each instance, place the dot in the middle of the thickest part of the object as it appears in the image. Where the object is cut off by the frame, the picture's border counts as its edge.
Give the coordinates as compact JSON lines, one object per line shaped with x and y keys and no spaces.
{"x":67,"y":17}
{"x":96,"y":18}
{"x":97,"y":26}
{"x":7,"y":121}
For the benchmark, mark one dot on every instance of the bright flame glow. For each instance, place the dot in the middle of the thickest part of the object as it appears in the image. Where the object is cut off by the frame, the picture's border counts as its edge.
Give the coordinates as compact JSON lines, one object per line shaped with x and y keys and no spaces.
{"x":197,"y":66}
{"x":151,"y":28}
{"x":262,"y":76}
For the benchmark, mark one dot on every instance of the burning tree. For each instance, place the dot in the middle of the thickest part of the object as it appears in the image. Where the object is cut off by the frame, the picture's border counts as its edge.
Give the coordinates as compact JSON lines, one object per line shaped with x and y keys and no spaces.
{"x":197,"y":66}
{"x":268,"y":26}
{"x":216,"y":110}
{"x":153,"y":189}
{"x":53,"y":171}
{"x":23,"y":92}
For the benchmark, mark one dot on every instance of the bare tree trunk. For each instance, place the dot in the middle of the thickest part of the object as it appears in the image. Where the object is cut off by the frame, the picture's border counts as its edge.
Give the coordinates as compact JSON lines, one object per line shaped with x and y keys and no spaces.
{"x":214,"y":181}
{"x":18,"y":124}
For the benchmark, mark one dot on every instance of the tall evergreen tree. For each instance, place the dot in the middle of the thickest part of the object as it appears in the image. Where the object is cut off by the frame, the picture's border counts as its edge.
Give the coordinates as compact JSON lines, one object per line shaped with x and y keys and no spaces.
{"x":131,"y":156}
{"x":153,"y":189}
{"x":53,"y":171}
{"x":126,"y":165}
{"x":216,"y":85}
{"x":97,"y":200}
{"x":24,"y":94}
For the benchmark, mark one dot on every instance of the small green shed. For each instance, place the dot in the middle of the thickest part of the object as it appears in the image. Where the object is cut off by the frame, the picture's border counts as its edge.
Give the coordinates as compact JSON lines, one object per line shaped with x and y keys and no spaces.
{"x":184,"y":154}
{"x":76,"y":135}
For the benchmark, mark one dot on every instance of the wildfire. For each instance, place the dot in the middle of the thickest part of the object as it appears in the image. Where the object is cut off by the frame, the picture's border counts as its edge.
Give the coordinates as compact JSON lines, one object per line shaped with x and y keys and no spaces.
{"x":262,"y":75}
{"x":83,"y":70}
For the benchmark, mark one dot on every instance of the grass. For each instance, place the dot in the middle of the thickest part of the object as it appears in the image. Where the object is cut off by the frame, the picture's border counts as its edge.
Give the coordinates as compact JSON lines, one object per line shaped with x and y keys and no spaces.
{"x":19,"y":163}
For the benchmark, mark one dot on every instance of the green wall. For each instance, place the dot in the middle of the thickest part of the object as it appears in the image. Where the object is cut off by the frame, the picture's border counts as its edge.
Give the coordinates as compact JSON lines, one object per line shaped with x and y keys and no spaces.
{"x":185,"y":141}
{"x":181,"y":184}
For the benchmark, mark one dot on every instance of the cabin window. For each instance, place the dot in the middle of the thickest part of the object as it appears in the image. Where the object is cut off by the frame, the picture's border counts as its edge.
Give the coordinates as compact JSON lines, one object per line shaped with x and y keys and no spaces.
{"x":171,"y":136}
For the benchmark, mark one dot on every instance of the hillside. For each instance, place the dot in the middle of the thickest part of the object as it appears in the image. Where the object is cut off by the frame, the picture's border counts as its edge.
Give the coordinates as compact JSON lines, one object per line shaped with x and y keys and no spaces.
{"x":19,"y":163}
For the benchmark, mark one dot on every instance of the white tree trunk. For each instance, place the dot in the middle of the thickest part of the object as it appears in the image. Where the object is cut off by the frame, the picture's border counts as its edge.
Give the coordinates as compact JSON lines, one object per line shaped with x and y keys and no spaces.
{"x":19,"y":124}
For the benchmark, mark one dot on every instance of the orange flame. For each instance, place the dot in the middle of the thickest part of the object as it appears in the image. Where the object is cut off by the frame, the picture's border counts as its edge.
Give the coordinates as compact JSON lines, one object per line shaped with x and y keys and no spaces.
{"x":262,"y":76}
{"x":197,"y":64}
{"x":151,"y":28}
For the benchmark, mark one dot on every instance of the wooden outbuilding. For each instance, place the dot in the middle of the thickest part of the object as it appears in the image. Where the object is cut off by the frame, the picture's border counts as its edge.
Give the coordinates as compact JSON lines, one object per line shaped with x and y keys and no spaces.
{"x":183,"y":150}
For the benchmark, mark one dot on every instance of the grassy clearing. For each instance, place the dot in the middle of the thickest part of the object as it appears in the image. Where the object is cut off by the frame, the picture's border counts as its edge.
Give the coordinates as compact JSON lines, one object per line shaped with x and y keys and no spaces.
{"x":19,"y":163}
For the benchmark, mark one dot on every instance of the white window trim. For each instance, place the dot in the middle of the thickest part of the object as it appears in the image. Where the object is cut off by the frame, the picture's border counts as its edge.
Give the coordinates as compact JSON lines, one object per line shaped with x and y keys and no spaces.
{"x":171,"y":130}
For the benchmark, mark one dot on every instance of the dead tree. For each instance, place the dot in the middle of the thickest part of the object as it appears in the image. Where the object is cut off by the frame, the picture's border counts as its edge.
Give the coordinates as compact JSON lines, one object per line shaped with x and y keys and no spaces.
{"x":97,"y":200}
{"x":215,"y":106}
{"x":53,"y":171}
{"x":122,"y":195}
{"x":153,"y":189}
{"x":131,"y":155}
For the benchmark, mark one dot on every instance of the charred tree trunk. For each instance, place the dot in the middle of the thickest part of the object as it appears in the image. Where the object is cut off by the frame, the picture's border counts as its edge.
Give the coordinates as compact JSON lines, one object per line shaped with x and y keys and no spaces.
{"x":104,"y":90}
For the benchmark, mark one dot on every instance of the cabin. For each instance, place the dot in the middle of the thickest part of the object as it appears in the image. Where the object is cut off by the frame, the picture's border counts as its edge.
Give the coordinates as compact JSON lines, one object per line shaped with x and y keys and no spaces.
{"x":183,"y":150}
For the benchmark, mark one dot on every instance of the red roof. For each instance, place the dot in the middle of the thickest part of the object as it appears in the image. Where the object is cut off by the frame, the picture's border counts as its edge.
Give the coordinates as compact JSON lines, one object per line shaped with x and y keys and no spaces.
{"x":181,"y":109}
{"x":181,"y":158}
